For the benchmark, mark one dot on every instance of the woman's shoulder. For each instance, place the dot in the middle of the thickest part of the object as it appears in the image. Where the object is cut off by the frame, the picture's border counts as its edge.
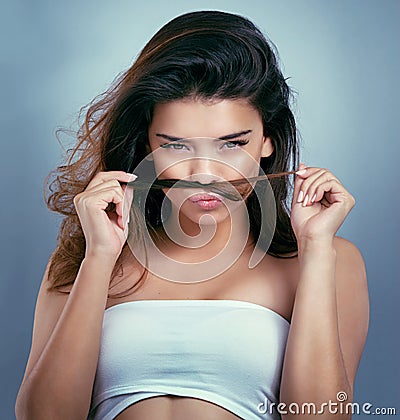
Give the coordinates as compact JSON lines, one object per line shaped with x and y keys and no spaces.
{"x":349,"y":257}
{"x":351,"y":275}
{"x":343,"y":245}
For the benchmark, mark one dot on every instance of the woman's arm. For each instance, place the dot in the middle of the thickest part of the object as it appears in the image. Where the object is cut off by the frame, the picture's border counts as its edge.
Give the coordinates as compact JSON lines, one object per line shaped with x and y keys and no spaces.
{"x":328,"y":328}
{"x":60,"y":372}
{"x":66,"y":338}
{"x":331,"y":310}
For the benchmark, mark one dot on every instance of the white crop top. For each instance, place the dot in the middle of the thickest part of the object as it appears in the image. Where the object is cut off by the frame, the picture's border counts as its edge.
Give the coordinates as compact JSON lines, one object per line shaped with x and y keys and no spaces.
{"x":228,"y":352}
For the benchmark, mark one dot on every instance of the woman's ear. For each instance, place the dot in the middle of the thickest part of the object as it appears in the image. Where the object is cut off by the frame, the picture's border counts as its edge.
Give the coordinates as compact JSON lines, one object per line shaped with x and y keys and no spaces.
{"x":267,"y":147}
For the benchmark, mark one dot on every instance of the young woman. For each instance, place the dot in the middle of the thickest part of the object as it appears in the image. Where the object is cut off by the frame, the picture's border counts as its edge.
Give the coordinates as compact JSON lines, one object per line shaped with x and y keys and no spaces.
{"x":180,"y":301}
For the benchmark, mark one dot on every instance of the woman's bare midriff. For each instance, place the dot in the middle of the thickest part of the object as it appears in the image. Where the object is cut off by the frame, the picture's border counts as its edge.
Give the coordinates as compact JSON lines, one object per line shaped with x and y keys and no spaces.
{"x":171,"y":407}
{"x":271,"y":284}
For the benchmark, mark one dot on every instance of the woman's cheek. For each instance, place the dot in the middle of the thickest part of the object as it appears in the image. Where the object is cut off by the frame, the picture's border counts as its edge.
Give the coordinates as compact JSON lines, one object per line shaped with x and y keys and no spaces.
{"x":241,"y":164}
{"x":171,"y":168}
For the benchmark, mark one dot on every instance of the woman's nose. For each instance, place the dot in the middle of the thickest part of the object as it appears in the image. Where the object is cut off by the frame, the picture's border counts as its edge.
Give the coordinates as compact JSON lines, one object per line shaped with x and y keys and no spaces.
{"x":204,"y":170}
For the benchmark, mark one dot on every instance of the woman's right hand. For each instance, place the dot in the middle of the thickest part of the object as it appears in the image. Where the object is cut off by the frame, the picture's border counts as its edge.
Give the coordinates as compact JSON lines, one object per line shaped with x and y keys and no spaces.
{"x":105,"y":233}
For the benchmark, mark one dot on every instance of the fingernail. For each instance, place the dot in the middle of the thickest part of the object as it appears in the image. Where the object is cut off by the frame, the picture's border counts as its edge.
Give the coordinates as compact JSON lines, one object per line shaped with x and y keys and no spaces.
{"x":133,"y":176}
{"x":314,"y":197}
{"x":300,"y":197}
{"x":301,"y":172}
{"x":126,"y":230}
{"x":305,"y":200}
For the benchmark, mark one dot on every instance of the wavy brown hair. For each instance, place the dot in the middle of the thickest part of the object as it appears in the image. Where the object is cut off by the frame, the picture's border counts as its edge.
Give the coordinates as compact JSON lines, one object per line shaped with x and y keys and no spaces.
{"x":201,"y":55}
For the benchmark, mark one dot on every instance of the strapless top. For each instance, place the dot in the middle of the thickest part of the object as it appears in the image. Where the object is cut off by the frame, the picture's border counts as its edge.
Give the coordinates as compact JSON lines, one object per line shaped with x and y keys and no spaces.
{"x":227,"y":352}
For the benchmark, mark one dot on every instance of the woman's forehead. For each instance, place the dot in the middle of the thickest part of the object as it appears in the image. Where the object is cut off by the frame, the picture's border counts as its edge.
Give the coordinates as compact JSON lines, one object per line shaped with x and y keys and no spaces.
{"x":226,"y":137}
{"x":196,"y":118}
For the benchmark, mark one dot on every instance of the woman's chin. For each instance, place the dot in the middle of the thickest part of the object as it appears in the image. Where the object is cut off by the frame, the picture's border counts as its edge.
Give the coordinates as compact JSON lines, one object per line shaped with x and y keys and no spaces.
{"x":208,"y":218}
{"x":207,"y":215}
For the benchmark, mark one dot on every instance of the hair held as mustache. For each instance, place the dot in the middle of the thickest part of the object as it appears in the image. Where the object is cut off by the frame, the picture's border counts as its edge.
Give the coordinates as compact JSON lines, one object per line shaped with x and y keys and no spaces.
{"x":234,"y":190}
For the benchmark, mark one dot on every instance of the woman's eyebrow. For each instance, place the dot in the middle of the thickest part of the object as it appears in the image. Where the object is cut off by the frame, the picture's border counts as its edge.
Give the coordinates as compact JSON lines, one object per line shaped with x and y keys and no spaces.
{"x":227,"y":137}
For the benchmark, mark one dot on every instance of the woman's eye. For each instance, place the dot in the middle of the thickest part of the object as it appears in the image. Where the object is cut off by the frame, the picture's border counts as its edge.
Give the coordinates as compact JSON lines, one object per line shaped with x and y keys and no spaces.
{"x":235,"y":144}
{"x":173,"y":146}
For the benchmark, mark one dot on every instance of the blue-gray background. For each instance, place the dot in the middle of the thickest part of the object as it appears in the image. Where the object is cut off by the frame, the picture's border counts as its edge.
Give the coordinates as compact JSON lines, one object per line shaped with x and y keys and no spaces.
{"x":343,"y":60}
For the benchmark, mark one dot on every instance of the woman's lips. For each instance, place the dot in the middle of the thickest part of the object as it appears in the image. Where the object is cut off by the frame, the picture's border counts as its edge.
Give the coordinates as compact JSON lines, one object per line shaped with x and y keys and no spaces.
{"x":206,"y":201}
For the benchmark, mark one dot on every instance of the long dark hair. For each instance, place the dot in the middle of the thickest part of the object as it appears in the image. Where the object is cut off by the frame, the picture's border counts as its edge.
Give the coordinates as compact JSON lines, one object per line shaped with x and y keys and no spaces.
{"x":200,"y":55}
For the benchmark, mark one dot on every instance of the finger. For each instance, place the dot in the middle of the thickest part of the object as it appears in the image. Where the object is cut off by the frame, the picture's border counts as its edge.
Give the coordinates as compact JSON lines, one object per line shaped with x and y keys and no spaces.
{"x":310,"y":184}
{"x":103,"y":185}
{"x":305,"y":171}
{"x":310,"y":175}
{"x":337,"y":193}
{"x":297,"y":184}
{"x":333,"y":187}
{"x":101,"y":177}
{"x":99,"y":199}
{"x":110,"y":183}
{"x":308,"y":178}
{"x":310,"y":171}
{"x":123,"y":208}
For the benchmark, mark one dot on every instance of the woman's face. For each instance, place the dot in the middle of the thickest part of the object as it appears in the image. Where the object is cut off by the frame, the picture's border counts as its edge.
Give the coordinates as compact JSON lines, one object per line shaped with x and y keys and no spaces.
{"x":204,"y":141}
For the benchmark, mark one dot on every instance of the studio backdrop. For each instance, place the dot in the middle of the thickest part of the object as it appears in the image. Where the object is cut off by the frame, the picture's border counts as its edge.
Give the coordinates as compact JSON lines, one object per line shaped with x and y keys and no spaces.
{"x":342,"y":59}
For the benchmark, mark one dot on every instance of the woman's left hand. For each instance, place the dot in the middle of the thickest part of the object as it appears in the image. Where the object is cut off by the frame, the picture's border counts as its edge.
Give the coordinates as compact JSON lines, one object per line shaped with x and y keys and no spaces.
{"x":320,"y":204}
